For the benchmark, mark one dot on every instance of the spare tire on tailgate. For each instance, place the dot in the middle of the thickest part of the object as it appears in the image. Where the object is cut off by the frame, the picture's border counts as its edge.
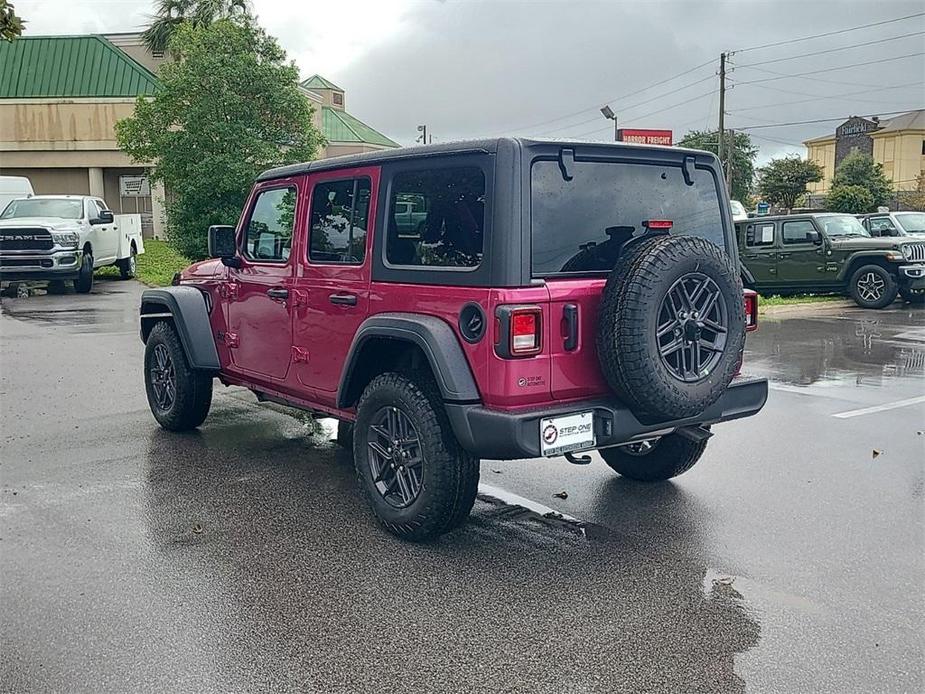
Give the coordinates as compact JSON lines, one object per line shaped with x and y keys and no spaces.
{"x":671,"y":327}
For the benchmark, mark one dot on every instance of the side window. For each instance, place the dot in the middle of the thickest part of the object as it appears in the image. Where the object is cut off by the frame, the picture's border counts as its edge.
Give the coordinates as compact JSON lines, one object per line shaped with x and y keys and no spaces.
{"x":93,"y":211}
{"x":798,"y":232}
{"x":268,"y":236}
{"x":757,"y":235}
{"x":436,"y":217}
{"x":882,"y":226}
{"x":339,"y":221}
{"x":100,"y":204}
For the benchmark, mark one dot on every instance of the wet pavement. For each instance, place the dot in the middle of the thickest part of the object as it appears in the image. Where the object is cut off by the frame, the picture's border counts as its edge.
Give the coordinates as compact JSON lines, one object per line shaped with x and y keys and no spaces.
{"x":241,"y":558}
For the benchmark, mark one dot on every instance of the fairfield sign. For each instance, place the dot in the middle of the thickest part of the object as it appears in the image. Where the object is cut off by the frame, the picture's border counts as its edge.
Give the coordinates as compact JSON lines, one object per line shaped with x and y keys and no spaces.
{"x":644,"y":137}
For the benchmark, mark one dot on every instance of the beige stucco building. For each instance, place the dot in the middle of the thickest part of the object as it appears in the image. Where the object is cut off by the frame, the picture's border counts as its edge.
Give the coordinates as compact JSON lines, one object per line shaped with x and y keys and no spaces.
{"x":61,"y":96}
{"x":897,"y":143}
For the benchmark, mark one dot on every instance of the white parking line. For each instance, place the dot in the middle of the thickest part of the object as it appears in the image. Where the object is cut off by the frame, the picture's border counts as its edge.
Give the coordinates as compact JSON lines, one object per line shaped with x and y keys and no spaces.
{"x":881,"y":408}
{"x":517,"y":500}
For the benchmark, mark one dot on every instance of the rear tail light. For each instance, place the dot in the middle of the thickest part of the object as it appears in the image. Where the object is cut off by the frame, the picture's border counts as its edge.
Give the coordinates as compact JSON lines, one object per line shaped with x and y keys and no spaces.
{"x":658,"y":224}
{"x":525,"y":332}
{"x":519,"y":331}
{"x":751,"y":310}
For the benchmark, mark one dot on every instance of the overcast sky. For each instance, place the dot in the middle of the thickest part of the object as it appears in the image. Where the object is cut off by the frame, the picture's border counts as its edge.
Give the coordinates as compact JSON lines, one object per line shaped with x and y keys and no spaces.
{"x":468,"y":68}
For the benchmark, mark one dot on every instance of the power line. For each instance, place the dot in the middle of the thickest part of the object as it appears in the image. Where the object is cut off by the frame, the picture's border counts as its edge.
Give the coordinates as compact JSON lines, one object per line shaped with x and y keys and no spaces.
{"x":822,"y":120}
{"x":622,"y":109}
{"x":834,"y":50}
{"x":830,"y":69}
{"x":837,"y":97}
{"x":616,"y":98}
{"x":830,"y":33}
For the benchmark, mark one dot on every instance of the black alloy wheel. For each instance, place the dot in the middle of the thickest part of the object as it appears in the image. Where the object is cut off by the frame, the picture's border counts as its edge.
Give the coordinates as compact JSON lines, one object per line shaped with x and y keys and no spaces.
{"x":396,"y":460}
{"x":163,"y":378}
{"x":692,"y":326}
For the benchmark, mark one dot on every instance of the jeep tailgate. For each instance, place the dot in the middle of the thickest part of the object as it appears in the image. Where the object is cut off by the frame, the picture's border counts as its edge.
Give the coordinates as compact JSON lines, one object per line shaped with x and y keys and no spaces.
{"x":574,"y":370}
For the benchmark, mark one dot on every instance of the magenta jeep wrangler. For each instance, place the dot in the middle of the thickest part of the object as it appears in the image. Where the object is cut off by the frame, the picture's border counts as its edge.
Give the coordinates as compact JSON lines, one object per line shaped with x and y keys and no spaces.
{"x":501,"y":299}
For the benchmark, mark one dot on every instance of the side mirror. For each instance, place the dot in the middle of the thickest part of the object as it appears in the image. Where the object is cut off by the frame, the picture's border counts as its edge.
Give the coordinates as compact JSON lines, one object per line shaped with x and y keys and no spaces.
{"x":815,"y":237}
{"x":106,"y":217}
{"x":221,"y":241}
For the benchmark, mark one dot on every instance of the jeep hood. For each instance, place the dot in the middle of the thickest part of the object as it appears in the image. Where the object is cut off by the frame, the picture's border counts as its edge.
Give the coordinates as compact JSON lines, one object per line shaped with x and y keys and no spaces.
{"x":53,"y":223}
{"x":863,"y":243}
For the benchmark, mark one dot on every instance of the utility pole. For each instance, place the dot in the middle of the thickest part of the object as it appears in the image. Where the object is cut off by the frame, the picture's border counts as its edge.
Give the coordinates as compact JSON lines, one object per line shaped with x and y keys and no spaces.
{"x":731,"y":159}
{"x":722,"y":107}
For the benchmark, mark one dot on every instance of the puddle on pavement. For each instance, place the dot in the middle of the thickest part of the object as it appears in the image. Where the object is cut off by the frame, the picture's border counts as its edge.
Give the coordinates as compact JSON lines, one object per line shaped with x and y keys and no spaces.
{"x":855,"y":348}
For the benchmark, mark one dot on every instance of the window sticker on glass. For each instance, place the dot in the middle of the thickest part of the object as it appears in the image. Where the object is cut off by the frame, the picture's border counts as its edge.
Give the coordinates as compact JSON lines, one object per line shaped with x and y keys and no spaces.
{"x":767,"y":233}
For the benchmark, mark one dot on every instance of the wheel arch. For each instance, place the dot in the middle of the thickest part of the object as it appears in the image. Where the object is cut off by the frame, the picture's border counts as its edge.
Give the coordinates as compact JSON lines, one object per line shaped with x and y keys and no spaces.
{"x":392,"y":340}
{"x":858,"y":260}
{"x":186,"y":308}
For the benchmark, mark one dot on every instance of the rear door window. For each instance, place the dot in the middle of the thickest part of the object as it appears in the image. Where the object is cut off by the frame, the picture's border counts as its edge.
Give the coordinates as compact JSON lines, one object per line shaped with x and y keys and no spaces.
{"x":760,"y":234}
{"x":436,"y":218}
{"x":581,"y":225}
{"x":339,"y":221}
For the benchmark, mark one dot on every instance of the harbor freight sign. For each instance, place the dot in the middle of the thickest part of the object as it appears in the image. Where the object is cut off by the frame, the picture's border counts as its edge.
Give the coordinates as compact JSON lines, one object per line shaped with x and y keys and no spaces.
{"x":644,"y":137}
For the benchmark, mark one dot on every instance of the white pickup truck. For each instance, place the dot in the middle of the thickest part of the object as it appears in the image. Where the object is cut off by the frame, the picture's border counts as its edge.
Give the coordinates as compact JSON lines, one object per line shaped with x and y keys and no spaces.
{"x":66,"y":237}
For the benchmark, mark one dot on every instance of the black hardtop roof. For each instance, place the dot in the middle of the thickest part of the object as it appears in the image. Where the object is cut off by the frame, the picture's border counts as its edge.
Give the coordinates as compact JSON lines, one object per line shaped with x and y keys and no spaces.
{"x":484,"y":146}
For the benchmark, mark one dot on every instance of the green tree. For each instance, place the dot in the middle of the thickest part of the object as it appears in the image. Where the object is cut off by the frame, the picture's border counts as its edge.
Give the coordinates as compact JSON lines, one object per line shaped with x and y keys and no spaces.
{"x":171,"y":13}
{"x":228,"y":107}
{"x":743,"y":157}
{"x":859,"y":169}
{"x":783,"y":181}
{"x":11,"y":25}
{"x":851,"y":199}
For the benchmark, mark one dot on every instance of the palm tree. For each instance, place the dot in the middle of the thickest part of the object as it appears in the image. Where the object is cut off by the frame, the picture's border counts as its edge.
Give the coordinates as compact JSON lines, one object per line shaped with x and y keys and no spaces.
{"x":170,"y":13}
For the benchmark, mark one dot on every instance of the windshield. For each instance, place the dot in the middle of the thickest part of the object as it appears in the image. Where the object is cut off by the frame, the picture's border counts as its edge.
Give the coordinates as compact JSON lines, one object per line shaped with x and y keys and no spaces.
{"x":44,"y":207}
{"x":582,"y":224}
{"x":842,"y":225}
{"x":911,"y":222}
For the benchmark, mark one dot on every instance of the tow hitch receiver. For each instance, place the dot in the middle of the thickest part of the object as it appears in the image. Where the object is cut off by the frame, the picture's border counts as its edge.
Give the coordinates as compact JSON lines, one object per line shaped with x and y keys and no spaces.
{"x":697,"y":433}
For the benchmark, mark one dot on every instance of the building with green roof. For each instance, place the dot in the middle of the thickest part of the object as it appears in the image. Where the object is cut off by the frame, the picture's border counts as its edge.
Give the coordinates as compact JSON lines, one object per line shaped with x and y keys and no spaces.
{"x":61,"y":96}
{"x":345,"y":133}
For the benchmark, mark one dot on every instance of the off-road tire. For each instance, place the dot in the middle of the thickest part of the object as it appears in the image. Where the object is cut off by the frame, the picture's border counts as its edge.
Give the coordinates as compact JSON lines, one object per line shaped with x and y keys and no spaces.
{"x":670,"y":456}
{"x":193,"y":387}
{"x":629,"y":312}
{"x":863,"y":275}
{"x":127,"y":266}
{"x":84,"y":282}
{"x":450,"y":474}
{"x":915,"y":299}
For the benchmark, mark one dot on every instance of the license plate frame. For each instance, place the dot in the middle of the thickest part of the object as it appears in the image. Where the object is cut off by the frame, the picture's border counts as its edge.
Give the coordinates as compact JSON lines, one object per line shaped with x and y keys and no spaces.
{"x":567,"y":433}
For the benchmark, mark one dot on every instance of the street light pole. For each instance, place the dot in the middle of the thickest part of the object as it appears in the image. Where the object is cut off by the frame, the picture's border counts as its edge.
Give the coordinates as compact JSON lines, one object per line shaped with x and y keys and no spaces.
{"x":608,"y":112}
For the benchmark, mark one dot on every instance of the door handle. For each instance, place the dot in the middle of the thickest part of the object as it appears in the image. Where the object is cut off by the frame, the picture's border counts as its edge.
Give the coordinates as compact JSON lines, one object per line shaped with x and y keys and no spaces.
{"x":570,"y":313}
{"x":783,"y":255}
{"x":278,"y":293}
{"x":343,"y":299}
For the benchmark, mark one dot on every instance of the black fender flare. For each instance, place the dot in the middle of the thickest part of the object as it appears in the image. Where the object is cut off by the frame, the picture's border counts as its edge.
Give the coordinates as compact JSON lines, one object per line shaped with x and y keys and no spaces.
{"x":186,"y":307}
{"x":436,"y":340}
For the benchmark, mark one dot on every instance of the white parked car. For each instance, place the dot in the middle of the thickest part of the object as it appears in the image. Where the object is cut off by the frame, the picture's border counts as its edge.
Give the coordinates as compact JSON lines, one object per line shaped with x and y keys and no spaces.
{"x":12,"y":187}
{"x":739,"y":213}
{"x":66,"y":237}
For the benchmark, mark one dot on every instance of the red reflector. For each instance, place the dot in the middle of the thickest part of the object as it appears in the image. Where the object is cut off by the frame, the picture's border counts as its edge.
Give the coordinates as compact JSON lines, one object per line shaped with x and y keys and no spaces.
{"x":658,"y":223}
{"x":751,"y":310}
{"x":525,"y":333}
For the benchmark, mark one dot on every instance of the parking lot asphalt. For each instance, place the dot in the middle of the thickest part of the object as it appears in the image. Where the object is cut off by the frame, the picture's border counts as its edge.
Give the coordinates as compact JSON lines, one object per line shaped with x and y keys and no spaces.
{"x":241,"y":558}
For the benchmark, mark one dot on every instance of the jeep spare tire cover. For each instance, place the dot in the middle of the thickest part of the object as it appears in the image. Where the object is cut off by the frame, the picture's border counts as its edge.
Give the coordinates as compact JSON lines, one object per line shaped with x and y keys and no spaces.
{"x":671,"y":326}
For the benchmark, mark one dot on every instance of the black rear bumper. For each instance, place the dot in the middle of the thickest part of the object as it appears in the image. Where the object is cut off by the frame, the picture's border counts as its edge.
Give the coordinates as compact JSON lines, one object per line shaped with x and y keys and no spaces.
{"x":503,"y":435}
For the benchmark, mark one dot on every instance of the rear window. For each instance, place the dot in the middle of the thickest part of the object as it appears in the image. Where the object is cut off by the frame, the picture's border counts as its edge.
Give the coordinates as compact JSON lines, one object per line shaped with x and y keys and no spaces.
{"x":581,"y":225}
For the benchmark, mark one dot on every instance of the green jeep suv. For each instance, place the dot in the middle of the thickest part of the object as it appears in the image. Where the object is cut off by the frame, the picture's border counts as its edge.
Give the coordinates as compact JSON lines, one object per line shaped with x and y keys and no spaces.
{"x":827,"y":252}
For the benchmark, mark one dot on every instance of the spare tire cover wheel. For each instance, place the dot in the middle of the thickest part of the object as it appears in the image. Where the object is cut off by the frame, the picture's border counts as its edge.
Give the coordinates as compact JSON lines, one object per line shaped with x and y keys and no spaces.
{"x":672,"y":326}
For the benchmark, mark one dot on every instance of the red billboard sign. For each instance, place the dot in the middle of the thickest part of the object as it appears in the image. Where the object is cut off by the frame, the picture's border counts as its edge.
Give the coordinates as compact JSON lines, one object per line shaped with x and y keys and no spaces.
{"x":644,"y":136}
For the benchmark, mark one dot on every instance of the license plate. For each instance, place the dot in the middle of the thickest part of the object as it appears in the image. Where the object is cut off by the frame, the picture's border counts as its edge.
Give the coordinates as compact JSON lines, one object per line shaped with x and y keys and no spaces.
{"x":574,"y":432}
